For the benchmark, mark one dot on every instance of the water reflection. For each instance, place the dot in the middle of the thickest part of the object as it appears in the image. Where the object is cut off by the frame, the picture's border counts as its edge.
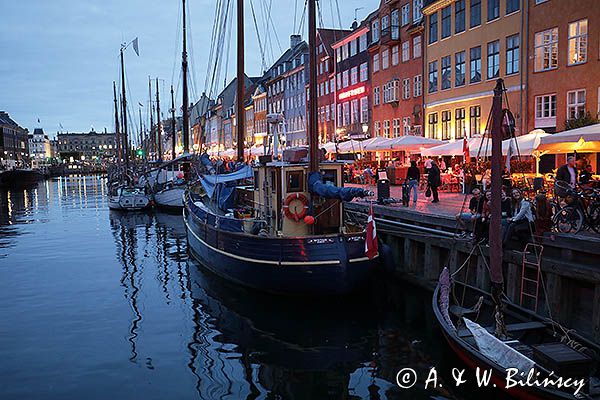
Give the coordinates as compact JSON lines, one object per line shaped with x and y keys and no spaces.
{"x":142,"y":320}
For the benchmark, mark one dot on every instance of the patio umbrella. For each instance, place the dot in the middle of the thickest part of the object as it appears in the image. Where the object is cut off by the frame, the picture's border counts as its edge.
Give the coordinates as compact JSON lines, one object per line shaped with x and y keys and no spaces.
{"x":329,"y":147}
{"x":527,"y":144}
{"x":456,"y":148}
{"x":582,"y":140}
{"x":377,"y":144}
{"x":350,"y":146}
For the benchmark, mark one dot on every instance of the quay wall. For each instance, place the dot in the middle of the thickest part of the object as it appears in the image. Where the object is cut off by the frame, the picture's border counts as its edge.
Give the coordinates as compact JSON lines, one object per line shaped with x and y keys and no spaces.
{"x":423,"y":244}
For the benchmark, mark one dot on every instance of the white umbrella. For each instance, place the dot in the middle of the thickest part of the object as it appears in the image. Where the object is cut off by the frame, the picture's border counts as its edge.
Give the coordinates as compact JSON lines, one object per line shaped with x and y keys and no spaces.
{"x":414,"y":144}
{"x":329,"y":147}
{"x":456,"y":148}
{"x":377,"y":144}
{"x":527,"y":144}
{"x":350,"y":146}
{"x":586,"y":140}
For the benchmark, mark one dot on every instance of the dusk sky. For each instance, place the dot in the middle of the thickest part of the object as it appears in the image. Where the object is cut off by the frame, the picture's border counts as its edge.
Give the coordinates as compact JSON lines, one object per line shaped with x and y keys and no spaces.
{"x":60,"y":57}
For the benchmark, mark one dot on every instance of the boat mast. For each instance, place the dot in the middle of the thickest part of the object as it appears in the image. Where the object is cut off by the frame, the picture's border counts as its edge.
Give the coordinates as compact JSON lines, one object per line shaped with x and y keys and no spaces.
{"x":240,"y":115}
{"x":141,"y":141}
{"x":117,"y":129}
{"x":313,"y":134}
{"x":173,"y":126}
{"x":496,"y":212}
{"x":153,"y":137}
{"x":184,"y":67}
{"x":158,"y":134}
{"x":125,"y":147}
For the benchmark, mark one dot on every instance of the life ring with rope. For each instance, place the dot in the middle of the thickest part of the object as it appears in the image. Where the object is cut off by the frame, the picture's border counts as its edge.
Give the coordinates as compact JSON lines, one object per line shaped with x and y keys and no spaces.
{"x":294,"y":214}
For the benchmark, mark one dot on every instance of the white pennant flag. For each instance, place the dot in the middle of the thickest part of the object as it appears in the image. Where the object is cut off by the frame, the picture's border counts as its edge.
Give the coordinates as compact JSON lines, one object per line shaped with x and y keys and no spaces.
{"x":135,"y":46}
{"x":510,"y":153}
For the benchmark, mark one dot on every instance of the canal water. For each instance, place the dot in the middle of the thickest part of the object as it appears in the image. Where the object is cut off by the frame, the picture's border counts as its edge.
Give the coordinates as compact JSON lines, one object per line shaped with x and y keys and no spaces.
{"x":96,"y":304}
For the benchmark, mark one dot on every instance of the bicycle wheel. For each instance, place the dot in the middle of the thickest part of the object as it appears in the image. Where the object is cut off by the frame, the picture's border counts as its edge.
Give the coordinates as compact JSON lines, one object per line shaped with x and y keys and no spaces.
{"x":594,"y":217}
{"x":568,"y":220}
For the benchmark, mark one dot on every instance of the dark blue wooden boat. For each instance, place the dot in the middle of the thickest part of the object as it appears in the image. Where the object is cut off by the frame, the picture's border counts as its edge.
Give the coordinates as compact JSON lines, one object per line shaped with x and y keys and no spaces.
{"x":329,"y":264}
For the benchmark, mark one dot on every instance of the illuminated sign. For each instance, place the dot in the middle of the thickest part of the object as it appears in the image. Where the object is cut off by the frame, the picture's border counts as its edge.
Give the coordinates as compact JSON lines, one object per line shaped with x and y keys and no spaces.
{"x":352,"y":93}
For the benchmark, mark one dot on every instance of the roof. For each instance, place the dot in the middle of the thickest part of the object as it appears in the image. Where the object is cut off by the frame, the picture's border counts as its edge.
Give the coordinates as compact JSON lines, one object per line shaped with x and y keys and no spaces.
{"x":330,"y":36}
{"x":5,"y":119}
{"x":38,"y":131}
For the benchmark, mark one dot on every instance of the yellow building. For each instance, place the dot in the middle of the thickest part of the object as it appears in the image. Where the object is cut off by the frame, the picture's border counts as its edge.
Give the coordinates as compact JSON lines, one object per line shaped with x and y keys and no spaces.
{"x":469,"y":45}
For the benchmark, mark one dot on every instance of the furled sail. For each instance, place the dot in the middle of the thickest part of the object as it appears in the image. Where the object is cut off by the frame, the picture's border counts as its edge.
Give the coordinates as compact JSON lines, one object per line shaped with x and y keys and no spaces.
{"x":329,"y":191}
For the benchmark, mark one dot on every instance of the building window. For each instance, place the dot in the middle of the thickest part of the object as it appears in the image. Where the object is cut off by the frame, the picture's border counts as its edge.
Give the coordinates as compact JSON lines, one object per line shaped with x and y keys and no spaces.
{"x":545,"y":107}
{"x":459,"y":68}
{"x":364,"y":110}
{"x":352,"y":45}
{"x":512,"y":54}
{"x":433,"y":28}
{"x":446,"y":21}
{"x":493,"y":9}
{"x":417,"y":47}
{"x":375,"y":31}
{"x":396,"y":125}
{"x":433,"y":76}
{"x":493,"y":59}
{"x":345,"y":81}
{"x":417,"y":86}
{"x":417,"y":10}
{"x":578,"y":39}
{"x":395,"y":56}
{"x":575,"y":104}
{"x":332,"y":85}
{"x":512,"y":6}
{"x":405,"y":14}
{"x":546,"y":50}
{"x":406,"y":89}
{"x":377,"y":126}
{"x":446,"y":72}
{"x":406,"y":51}
{"x":446,"y":121}
{"x":475,"y":120}
{"x":355,"y":111}
{"x":376,"y":98}
{"x":459,"y":123}
{"x":385,"y":59}
{"x":432,"y":125}
{"x":375,"y":63}
{"x":386,"y":128}
{"x":364,"y":72}
{"x":385,"y":25}
{"x":354,"y":75}
{"x":459,"y":16}
{"x":346,"y":116}
{"x":395,"y":25}
{"x":475,"y":13}
{"x":362,"y":43}
{"x":475,"y":64}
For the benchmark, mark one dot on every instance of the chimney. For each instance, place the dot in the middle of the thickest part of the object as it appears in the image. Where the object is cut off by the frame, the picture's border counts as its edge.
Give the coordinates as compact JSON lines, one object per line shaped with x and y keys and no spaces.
{"x":295,"y":40}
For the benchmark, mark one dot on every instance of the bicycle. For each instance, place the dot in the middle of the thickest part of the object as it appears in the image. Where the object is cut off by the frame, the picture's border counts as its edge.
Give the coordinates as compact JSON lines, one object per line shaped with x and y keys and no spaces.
{"x":582,"y":210}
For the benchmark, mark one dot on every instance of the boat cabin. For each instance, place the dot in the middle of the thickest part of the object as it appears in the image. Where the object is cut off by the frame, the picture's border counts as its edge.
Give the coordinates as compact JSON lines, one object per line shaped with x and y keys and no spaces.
{"x":281,"y":198}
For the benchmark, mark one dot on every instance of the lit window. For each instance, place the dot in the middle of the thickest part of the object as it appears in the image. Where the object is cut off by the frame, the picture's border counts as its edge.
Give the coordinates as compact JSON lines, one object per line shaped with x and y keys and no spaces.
{"x":575,"y":104}
{"x":546,"y":50}
{"x":578,"y":39}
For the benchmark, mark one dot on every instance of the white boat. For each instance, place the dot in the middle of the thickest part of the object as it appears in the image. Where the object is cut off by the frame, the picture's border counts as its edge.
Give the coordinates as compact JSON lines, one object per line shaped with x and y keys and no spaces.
{"x":128,"y":198}
{"x":168,"y":183}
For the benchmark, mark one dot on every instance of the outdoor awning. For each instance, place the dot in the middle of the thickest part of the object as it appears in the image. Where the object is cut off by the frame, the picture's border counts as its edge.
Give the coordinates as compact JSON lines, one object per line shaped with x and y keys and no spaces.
{"x":350,"y":146}
{"x":526,"y":144}
{"x":583,"y":140}
{"x":456,"y":148}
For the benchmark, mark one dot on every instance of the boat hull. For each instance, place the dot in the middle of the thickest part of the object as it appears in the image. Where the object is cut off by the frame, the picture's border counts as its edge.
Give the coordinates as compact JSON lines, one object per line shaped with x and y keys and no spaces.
{"x":128,"y":203}
{"x":315,"y":265}
{"x":170,"y":198}
{"x":20,"y":178}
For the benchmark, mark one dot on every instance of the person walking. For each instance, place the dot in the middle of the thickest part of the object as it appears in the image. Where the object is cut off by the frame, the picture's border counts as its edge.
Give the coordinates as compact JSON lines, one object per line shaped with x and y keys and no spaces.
{"x":434,"y":180}
{"x":413,"y":175}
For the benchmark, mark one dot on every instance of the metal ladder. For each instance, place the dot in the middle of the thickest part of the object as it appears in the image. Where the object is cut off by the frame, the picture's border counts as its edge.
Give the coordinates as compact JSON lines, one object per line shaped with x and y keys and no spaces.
{"x":531,"y":268}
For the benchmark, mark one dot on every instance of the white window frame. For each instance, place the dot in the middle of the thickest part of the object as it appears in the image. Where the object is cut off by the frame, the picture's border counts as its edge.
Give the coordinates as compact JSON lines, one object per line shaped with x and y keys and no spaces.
{"x":578,"y":105}
{"x":578,"y":41}
{"x":417,"y":46}
{"x":364,"y":110}
{"x":406,"y":51}
{"x":396,"y":127}
{"x":385,"y":59}
{"x":418,"y":85}
{"x":364,"y":72}
{"x":545,"y":47}
{"x":395,"y":55}
{"x":405,"y":15}
{"x":417,"y":10}
{"x":406,"y":89}
{"x":375,"y":62}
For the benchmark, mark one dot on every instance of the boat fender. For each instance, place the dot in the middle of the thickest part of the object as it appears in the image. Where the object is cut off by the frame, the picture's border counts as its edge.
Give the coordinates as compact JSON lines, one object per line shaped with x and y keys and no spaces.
{"x":298,"y":215}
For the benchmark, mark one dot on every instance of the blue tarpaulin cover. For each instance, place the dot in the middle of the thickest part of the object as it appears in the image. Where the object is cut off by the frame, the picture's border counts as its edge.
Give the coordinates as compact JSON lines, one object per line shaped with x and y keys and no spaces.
{"x":316,"y":186}
{"x":223,"y":185}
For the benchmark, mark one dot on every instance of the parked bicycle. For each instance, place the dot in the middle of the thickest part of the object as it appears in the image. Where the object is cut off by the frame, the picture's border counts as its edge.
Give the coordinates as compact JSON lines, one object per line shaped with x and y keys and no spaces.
{"x":581,"y":211}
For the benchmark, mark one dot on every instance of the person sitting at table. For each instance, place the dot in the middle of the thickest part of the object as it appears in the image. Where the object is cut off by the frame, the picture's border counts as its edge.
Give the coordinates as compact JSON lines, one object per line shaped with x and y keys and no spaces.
{"x":585,"y":176}
{"x":523,"y":220}
{"x":475,"y":209}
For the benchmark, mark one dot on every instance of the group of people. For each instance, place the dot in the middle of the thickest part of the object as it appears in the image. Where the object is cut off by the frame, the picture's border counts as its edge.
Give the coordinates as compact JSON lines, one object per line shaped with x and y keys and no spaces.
{"x":570,"y":175}
{"x":519,"y":216}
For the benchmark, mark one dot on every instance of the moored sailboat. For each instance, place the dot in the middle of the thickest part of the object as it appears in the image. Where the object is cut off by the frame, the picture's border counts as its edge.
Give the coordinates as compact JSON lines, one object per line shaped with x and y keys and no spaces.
{"x":279,"y":227}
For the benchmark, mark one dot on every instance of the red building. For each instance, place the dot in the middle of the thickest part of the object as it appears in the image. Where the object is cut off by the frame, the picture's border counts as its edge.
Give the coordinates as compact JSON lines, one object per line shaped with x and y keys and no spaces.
{"x":326,"y":81}
{"x":396,"y":52}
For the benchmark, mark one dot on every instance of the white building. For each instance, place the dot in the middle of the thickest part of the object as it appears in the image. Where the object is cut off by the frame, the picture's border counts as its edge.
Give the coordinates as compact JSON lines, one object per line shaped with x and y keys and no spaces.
{"x":40,"y":148}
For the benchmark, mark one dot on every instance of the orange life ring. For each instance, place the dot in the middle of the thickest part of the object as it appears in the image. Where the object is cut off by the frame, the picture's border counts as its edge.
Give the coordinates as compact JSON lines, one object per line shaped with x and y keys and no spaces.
{"x":297,"y":216}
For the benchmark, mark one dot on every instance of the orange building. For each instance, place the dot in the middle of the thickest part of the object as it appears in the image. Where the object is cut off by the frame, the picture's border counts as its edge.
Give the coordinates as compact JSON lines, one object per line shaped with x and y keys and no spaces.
{"x":564,"y":74}
{"x":469,"y":44}
{"x":326,"y":81}
{"x":396,"y":63}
